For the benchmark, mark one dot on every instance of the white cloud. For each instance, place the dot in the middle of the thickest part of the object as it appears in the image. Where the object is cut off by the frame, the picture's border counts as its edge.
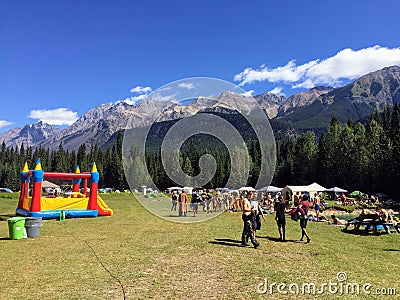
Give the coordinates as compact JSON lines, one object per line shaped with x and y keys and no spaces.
{"x":4,"y":123}
{"x":141,"y":90}
{"x":277,"y":91}
{"x":248,"y":93}
{"x":288,"y":73}
{"x":306,"y":84}
{"x":135,"y":100}
{"x":142,"y":93}
{"x":186,"y":85}
{"x":58,"y":116}
{"x":346,"y":64}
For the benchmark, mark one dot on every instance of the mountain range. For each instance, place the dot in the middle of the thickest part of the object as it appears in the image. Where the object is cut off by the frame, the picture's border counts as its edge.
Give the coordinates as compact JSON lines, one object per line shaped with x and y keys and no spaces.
{"x":310,"y":110}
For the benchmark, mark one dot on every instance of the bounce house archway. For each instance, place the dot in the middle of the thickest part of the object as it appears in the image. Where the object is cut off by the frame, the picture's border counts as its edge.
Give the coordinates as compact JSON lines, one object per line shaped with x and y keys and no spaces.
{"x":77,"y":205}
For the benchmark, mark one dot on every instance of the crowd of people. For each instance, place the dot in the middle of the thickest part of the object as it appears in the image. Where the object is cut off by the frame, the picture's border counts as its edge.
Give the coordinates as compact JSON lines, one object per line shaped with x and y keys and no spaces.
{"x":360,"y":199}
{"x":370,"y":219}
{"x":209,"y":201}
{"x":254,"y":205}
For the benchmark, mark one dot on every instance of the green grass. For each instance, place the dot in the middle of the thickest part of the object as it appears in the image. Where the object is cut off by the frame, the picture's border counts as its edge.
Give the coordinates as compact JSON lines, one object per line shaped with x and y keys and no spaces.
{"x":157,"y":259}
{"x":161,"y":206}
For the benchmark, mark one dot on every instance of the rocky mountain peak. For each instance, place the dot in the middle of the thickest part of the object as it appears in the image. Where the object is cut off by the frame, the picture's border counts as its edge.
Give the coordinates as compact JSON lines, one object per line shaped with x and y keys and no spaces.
{"x":271,"y":103}
{"x":380,"y":87}
{"x":306,"y":110}
{"x":31,"y":135}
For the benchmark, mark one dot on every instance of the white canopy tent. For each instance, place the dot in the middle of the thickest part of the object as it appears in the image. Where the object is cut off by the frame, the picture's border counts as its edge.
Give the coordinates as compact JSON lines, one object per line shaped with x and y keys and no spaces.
{"x":188,"y":189}
{"x":50,"y":187}
{"x":336,"y":190}
{"x":312,"y":189}
{"x":174,"y":188}
{"x":247,"y":188}
{"x":270,"y":189}
{"x":316,"y":187}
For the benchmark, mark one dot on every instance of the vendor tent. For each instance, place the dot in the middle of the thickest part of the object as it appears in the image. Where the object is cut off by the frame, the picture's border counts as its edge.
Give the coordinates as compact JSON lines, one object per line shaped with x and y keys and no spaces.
{"x":316,"y":187}
{"x":174,"y":188}
{"x":270,"y":189}
{"x":336,"y":190}
{"x":227,"y":190}
{"x":188,"y":189}
{"x":301,"y":189}
{"x":247,"y":188}
{"x":50,"y":186}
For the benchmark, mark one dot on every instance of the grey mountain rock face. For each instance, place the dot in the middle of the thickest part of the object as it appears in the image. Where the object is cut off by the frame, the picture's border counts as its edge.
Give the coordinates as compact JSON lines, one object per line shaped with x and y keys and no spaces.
{"x":305,"y":110}
{"x":354,"y":101}
{"x":30,"y":134}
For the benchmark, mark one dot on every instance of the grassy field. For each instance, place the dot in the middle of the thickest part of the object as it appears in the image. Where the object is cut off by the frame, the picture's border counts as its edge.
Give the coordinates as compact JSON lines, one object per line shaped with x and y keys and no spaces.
{"x":141,"y":256}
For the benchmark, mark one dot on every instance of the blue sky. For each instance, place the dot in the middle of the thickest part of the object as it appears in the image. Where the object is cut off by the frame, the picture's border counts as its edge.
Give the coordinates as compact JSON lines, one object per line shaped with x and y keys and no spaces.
{"x":59,"y":59}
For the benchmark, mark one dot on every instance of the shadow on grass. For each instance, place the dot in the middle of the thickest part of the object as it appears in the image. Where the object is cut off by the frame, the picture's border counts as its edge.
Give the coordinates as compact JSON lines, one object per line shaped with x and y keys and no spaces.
{"x":362,"y":232}
{"x":353,"y":232}
{"x":227,"y":242}
{"x":276,"y":239}
{"x":5,"y":217}
{"x":5,"y":239}
{"x":391,"y":250}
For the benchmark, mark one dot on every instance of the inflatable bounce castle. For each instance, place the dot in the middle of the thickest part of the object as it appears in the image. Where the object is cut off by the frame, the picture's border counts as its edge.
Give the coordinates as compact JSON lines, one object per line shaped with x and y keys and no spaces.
{"x":76,"y":205}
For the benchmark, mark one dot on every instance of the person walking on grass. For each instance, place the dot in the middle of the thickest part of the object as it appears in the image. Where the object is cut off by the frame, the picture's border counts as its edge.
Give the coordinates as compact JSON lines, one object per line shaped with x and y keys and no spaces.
{"x":195,"y":202}
{"x":174,"y":200}
{"x":303,"y":209}
{"x":209,"y":201}
{"x":317,"y":204}
{"x":280,"y":218}
{"x":203,"y":197}
{"x":248,"y":225}
{"x":183,"y":199}
{"x":256,"y":212}
{"x":225,"y":200}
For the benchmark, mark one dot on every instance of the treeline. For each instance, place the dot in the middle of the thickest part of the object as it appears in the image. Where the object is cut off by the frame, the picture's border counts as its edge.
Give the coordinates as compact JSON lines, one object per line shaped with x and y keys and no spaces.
{"x":354,"y":156}
{"x":108,"y":163}
{"x":357,"y":156}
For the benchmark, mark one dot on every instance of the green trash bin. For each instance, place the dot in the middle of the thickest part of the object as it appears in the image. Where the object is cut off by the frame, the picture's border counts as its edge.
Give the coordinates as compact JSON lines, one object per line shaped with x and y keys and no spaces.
{"x":16,"y":226}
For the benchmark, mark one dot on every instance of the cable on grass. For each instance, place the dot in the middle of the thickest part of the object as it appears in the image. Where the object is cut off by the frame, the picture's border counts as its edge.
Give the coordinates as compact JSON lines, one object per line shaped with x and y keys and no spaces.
{"x":98,"y":259}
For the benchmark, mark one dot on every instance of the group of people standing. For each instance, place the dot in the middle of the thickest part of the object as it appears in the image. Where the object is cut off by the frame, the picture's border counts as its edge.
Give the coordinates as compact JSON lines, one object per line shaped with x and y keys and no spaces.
{"x":209,"y":202}
{"x":180,"y":200}
{"x":298,"y":212}
{"x":251,"y":216}
{"x":251,"y":207}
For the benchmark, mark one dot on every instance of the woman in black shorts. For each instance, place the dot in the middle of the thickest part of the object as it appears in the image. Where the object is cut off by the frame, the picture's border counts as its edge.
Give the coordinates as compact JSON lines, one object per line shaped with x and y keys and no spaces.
{"x":279,"y":209}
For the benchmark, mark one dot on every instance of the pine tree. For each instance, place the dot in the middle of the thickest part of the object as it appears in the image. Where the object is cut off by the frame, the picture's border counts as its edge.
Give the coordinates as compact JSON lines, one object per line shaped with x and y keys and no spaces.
{"x":305,"y":158}
{"x":81,"y":158}
{"x":393,"y":170}
{"x":328,"y":147}
{"x":359,"y":159}
{"x":61,"y":164}
{"x":378,"y":147}
{"x":188,"y":170}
